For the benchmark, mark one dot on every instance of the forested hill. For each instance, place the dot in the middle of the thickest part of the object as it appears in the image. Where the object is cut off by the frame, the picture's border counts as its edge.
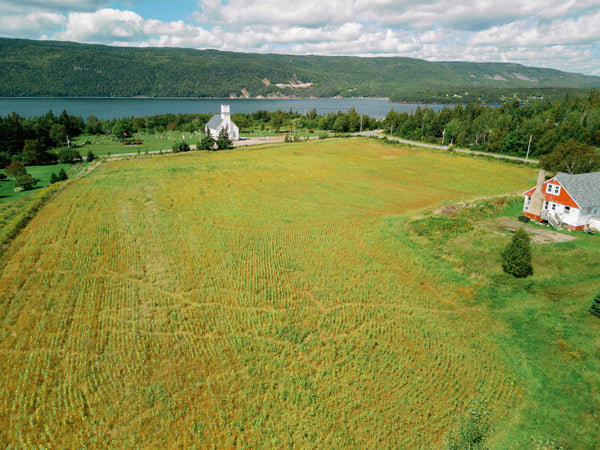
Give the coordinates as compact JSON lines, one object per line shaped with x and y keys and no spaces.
{"x":48,"y":68}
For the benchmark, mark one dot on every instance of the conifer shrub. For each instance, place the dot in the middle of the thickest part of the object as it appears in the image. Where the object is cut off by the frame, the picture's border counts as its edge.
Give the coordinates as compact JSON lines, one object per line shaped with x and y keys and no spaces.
{"x":595,"y":308}
{"x":516,"y":256}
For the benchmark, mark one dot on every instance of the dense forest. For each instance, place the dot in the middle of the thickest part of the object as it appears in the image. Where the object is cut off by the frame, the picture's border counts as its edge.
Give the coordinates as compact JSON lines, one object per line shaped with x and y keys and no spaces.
{"x":64,"y":69}
{"x":540,"y":129}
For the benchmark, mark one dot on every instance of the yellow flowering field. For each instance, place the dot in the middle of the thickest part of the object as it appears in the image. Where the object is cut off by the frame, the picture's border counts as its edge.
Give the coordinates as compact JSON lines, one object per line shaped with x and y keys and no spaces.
{"x":262,"y":297}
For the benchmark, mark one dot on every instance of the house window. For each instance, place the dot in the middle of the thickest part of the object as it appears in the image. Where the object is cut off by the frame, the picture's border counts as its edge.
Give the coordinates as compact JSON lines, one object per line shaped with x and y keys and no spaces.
{"x":553,"y":206}
{"x":545,"y":205}
{"x":549,"y":188}
{"x":556,"y":189}
{"x":567,"y":209}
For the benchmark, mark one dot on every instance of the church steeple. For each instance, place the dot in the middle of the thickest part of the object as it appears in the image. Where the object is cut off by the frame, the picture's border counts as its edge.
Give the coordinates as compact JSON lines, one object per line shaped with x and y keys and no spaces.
{"x":225,"y":112}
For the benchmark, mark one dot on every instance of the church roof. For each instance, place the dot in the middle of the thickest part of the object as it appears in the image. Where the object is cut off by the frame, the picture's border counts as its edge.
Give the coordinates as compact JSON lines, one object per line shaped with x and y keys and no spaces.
{"x":214,"y":122}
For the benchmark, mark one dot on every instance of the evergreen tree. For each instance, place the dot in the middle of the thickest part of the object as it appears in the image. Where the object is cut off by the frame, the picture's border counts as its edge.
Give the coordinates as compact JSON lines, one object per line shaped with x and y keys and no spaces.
{"x":516,"y":257}
{"x":595,"y":309}
{"x":90,"y":156}
{"x":223,"y":140}
{"x":207,"y":142}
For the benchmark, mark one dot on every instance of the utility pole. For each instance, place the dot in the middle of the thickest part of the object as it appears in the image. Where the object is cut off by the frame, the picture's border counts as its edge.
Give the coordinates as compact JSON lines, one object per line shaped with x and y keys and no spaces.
{"x":443,"y":136}
{"x":528,"y":147}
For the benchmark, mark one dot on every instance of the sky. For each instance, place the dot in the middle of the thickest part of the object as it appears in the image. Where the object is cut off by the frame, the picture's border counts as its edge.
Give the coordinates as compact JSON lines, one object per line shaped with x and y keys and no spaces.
{"x":558,"y":34}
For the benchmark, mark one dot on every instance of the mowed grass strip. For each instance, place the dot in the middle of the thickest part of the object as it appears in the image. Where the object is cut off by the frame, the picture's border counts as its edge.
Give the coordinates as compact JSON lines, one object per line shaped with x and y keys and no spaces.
{"x":253,"y":298}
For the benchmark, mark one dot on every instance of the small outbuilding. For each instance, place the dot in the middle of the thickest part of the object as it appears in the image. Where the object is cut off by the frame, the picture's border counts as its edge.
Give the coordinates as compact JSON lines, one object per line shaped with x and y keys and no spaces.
{"x":221,"y":121}
{"x":566,"y":200}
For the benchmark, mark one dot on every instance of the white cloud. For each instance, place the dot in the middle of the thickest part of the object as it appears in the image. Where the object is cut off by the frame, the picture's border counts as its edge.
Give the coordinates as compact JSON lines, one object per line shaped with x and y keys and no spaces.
{"x":276,"y":12}
{"x":54,"y":5}
{"x":30,"y":25}
{"x":103,"y":25}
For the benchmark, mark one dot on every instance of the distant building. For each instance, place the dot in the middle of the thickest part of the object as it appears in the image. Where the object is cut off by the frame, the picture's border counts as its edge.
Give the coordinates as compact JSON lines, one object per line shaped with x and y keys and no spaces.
{"x":566,"y":200}
{"x":223,"y":120}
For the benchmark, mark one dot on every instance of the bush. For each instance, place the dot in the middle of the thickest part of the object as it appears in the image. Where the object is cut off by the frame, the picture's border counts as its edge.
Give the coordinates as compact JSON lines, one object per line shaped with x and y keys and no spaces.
{"x":90,"y":156}
{"x":516,"y":257}
{"x":442,"y":226}
{"x":25,"y":182}
{"x":16,"y":169}
{"x":68,"y":156}
{"x":472,"y":431}
{"x":181,"y":147}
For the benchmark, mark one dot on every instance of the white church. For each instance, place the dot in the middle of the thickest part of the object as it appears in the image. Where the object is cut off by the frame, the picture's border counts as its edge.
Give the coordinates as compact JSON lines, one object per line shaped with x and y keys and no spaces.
{"x":223,"y":120}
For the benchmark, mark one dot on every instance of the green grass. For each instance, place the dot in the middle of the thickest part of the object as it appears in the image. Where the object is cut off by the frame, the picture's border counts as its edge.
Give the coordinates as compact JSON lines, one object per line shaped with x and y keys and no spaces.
{"x":549,"y":339}
{"x":42,"y":173}
{"x":107,"y":145}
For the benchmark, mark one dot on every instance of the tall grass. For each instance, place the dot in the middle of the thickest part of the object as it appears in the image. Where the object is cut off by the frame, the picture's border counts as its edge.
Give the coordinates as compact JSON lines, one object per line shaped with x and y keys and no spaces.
{"x":258,"y":298}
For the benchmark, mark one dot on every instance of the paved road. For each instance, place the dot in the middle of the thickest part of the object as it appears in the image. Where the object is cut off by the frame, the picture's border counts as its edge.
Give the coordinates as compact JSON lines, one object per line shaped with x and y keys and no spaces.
{"x":379,"y":133}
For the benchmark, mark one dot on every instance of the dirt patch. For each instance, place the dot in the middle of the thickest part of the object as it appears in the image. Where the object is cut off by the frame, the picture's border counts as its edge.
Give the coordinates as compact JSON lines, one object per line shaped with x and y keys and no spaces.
{"x":538,"y":233}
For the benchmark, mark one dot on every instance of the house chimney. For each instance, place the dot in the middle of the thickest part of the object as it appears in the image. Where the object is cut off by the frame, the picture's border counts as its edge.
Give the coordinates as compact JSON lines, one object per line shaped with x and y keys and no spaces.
{"x":224,"y":111}
{"x":537,"y":199}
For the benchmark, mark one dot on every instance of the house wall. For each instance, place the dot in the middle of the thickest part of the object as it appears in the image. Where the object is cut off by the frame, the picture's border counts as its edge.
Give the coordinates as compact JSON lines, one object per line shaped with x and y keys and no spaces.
{"x":569,"y":216}
{"x":562,"y":205}
{"x":562,"y":197}
{"x":554,"y":202}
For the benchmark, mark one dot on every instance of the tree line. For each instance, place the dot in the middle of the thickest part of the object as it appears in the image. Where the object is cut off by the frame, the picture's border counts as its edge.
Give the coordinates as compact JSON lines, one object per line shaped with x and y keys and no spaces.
{"x":563,"y":134}
{"x":551,"y":131}
{"x":48,"y":139}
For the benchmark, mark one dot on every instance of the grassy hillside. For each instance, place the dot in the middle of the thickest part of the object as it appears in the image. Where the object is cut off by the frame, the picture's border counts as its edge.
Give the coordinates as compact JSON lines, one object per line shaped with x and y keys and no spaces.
{"x":44,"y":68}
{"x":280,"y":296}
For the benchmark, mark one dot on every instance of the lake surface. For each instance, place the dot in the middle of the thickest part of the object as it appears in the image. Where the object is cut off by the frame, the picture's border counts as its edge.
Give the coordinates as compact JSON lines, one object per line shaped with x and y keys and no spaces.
{"x":109,"y":108}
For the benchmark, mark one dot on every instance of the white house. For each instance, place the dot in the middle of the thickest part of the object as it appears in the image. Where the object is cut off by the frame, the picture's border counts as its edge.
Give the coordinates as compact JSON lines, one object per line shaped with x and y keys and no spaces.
{"x":223,"y":120}
{"x":566,"y":200}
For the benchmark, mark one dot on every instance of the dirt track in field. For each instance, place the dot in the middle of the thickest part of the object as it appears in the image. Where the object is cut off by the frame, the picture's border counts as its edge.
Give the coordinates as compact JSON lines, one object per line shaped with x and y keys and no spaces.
{"x":539,"y":234}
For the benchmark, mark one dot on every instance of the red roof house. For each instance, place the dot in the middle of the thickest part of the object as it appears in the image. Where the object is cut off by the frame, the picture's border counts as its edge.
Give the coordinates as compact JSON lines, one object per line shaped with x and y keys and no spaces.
{"x":566,"y":200}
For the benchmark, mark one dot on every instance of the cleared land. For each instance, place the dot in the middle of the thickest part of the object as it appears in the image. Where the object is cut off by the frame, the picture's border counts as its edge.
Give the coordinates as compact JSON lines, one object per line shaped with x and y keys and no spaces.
{"x":264,"y":297}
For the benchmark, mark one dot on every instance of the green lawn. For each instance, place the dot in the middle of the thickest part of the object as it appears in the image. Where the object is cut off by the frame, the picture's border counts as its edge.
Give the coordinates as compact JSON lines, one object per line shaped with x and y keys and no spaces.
{"x":41,"y":173}
{"x":105,"y":145}
{"x":549,"y":340}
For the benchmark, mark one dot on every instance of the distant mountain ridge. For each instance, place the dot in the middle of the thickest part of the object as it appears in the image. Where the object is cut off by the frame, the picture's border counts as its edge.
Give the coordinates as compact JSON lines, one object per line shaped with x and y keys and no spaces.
{"x":65,"y":69}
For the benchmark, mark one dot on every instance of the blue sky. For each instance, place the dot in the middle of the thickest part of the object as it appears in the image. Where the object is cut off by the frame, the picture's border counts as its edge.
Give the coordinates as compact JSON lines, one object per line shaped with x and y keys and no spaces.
{"x":559,"y":34}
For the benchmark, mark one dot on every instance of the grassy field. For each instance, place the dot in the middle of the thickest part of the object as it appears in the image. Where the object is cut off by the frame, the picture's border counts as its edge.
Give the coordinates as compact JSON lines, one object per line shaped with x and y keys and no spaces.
{"x":279,"y":297}
{"x":153,"y":142}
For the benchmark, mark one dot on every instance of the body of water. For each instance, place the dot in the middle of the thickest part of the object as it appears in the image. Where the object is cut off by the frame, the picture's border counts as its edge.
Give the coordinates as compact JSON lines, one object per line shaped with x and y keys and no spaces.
{"x":110,"y":108}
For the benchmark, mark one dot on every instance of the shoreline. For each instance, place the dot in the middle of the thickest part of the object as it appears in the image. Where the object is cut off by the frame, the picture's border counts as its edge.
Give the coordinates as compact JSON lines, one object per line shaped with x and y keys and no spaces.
{"x":198,"y":98}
